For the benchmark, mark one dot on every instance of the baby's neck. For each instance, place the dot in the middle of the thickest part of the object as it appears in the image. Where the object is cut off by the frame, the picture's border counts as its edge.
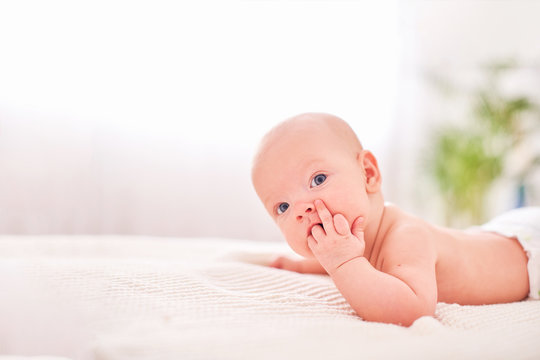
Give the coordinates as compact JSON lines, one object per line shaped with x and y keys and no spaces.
{"x":382,"y":219}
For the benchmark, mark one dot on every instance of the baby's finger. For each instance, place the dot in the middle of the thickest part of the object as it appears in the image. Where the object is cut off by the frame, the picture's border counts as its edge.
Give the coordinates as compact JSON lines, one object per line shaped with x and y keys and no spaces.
{"x":283,"y":262}
{"x":312,"y":243}
{"x":277,"y":263}
{"x":358,"y":227}
{"x":325,"y":216}
{"x":341,"y":224}
{"x":318,"y":232}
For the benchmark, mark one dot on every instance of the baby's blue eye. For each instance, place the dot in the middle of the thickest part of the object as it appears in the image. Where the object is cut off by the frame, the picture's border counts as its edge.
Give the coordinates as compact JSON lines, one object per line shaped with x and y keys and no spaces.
{"x":318,"y":180}
{"x":282,"y":208}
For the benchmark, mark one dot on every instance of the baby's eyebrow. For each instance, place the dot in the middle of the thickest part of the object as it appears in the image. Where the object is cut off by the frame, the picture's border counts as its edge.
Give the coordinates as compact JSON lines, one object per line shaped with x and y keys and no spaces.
{"x":269,"y":199}
{"x":309,"y":163}
{"x":266,"y":200}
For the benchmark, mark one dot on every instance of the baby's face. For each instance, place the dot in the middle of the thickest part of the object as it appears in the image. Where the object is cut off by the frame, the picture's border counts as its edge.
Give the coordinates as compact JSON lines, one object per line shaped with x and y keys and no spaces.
{"x":293,"y":171}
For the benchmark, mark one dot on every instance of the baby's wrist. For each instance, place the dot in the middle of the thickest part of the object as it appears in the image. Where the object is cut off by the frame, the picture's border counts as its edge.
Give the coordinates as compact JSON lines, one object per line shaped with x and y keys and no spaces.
{"x":344,"y":266}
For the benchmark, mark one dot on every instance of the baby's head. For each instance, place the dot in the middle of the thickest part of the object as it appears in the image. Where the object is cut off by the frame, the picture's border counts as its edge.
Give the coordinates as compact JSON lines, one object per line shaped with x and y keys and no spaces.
{"x":314,"y":156}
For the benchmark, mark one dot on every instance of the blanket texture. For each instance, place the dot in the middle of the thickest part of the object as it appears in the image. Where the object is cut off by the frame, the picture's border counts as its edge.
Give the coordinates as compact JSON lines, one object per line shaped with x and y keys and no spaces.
{"x":112,"y":298}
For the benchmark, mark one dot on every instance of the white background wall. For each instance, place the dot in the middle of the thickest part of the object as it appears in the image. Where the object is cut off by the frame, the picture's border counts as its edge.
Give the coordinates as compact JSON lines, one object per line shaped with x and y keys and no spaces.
{"x":455,"y":39}
{"x":141,"y":118}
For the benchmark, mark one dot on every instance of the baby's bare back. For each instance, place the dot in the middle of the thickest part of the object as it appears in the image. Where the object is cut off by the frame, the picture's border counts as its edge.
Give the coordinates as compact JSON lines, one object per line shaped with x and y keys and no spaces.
{"x":478,"y":267}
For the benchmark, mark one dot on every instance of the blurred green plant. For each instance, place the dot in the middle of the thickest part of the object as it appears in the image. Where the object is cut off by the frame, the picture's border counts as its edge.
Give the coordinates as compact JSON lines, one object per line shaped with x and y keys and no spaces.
{"x":465,"y":161}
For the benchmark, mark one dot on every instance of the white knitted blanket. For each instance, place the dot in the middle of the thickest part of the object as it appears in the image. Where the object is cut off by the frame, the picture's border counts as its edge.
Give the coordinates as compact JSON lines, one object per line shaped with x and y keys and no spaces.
{"x":115,"y":298}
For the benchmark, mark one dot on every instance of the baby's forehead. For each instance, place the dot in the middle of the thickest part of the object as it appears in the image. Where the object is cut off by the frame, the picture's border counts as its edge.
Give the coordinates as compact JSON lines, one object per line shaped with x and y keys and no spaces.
{"x":301,"y":146}
{"x":305,"y":137}
{"x":295,"y":158}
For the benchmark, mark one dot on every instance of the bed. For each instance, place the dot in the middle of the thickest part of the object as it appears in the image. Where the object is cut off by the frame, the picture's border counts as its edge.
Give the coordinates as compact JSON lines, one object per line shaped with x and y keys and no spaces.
{"x":127,"y":297}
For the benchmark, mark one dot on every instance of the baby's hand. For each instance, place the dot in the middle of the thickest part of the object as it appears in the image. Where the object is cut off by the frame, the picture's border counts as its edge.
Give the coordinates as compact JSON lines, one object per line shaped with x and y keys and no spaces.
{"x":306,"y":266}
{"x":283,"y":262}
{"x":334,"y":244}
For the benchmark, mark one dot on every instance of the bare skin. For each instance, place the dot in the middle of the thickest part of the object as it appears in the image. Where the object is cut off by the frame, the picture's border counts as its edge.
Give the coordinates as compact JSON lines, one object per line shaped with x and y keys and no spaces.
{"x":324,"y":192}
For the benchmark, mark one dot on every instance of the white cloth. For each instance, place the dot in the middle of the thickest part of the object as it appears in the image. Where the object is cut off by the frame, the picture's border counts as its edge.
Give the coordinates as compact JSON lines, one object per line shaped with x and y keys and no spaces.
{"x":116,"y":298}
{"x":523,"y":224}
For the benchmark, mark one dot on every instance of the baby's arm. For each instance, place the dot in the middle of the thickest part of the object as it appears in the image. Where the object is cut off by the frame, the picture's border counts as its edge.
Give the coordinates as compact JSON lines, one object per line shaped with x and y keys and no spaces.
{"x":403,"y":291}
{"x":307,"y":266}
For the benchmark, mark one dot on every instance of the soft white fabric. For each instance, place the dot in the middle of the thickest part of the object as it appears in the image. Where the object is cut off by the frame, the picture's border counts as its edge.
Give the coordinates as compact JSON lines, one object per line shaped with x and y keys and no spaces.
{"x":115,"y":298}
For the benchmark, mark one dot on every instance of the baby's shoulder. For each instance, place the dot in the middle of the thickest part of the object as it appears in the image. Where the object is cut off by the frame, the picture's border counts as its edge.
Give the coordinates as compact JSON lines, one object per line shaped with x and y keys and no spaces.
{"x":409,"y":235}
{"x":404,"y":227}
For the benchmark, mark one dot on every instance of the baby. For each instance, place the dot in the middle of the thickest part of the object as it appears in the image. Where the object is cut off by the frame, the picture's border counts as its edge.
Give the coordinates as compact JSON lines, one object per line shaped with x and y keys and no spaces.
{"x":324,"y":192}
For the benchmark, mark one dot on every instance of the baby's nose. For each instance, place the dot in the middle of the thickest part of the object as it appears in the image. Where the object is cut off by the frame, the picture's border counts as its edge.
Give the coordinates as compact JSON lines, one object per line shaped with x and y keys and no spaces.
{"x":303,"y":210}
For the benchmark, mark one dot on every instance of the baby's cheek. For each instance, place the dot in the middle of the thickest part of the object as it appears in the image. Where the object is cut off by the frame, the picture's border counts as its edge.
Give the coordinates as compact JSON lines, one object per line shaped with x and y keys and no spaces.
{"x":300,"y":246}
{"x":296,"y":239}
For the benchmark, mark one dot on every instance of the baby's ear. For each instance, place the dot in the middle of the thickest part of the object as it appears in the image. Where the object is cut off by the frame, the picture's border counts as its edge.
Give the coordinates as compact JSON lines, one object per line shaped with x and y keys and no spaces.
{"x":371,"y":171}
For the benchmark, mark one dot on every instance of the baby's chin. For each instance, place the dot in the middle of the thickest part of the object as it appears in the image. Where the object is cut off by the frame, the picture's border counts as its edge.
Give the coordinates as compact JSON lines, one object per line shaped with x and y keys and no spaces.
{"x":304,"y":251}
